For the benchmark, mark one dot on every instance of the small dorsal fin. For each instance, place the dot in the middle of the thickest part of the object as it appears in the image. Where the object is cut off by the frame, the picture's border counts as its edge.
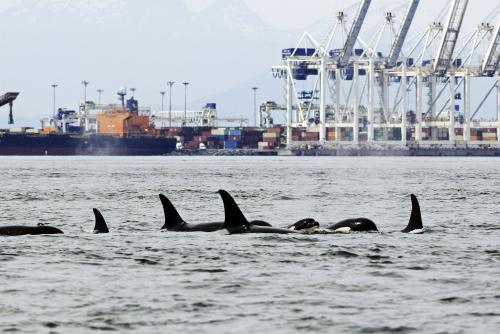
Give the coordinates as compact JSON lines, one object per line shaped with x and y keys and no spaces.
{"x":234,"y":221}
{"x":100,"y":223}
{"x":172,"y":218}
{"x":415,"y":222}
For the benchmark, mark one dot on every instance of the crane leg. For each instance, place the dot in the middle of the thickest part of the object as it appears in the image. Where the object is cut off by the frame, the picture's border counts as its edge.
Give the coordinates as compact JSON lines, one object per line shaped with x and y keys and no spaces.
{"x":11,"y":117}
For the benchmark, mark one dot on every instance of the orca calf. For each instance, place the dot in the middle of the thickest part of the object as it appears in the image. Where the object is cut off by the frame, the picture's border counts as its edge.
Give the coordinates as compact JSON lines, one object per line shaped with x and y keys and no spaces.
{"x":174,"y":222}
{"x":100,"y":223}
{"x":28,"y":230}
{"x":236,"y":223}
{"x":415,"y":225}
{"x":354,"y":225}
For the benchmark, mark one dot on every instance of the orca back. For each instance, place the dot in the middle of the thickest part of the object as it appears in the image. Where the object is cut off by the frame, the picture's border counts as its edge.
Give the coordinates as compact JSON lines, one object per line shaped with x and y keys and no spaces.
{"x":415,"y":222}
{"x":234,"y":221}
{"x":354,"y":225}
{"x":40,"y":229}
{"x":100,"y":223}
{"x":173,"y":220}
{"x":260,"y":223}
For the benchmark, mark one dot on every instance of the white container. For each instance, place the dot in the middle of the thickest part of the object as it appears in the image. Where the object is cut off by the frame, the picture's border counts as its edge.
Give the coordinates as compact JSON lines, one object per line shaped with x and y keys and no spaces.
{"x":268,"y":135}
{"x":263,"y":145}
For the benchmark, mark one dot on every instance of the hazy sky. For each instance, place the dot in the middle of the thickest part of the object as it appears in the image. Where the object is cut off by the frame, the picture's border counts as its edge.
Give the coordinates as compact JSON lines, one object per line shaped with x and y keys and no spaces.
{"x":46,"y":37}
{"x":293,"y":14}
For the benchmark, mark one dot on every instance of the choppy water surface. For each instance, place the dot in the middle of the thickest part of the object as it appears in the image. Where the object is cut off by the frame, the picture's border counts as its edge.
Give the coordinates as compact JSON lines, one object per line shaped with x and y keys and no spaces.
{"x":138,"y":279}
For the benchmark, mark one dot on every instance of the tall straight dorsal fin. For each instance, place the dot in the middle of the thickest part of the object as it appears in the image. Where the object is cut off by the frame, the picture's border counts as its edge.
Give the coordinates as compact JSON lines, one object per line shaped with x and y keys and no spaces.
{"x":100,"y":223}
{"x":234,"y":221}
{"x":172,"y":218}
{"x":415,"y":222}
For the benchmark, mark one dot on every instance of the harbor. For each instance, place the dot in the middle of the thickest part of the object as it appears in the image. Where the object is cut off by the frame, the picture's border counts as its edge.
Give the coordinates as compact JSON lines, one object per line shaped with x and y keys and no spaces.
{"x":343,"y":95}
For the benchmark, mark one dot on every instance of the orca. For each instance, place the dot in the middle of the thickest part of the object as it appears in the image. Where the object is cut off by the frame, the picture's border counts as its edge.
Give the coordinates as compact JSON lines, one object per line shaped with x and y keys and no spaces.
{"x":415,"y":225}
{"x":100,"y":223}
{"x":354,"y":225}
{"x":175,"y":223}
{"x":236,"y":223}
{"x":29,"y":230}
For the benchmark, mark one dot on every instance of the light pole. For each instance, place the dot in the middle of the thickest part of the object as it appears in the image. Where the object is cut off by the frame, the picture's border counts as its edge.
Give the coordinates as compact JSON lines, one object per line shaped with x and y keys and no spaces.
{"x":85,"y":83}
{"x":170,"y":84}
{"x":133,"y":91}
{"x":99,"y":91}
{"x":255,"y":105}
{"x":185,"y":83}
{"x":54,"y":86}
{"x":162,"y":107}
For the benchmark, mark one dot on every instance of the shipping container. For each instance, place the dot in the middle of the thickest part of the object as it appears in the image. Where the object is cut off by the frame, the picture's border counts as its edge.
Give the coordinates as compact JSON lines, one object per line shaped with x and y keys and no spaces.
{"x":274,"y":130}
{"x":270,"y":135}
{"x":228,"y":144}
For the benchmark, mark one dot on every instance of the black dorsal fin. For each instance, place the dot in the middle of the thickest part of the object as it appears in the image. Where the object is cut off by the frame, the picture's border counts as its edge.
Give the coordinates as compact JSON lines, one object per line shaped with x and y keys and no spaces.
{"x":415,"y":218}
{"x":100,"y":223}
{"x":172,"y":218}
{"x":234,"y":221}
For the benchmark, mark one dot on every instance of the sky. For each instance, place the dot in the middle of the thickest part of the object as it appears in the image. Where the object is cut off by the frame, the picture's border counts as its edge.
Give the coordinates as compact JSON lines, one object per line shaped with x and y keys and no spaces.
{"x":246,"y":35}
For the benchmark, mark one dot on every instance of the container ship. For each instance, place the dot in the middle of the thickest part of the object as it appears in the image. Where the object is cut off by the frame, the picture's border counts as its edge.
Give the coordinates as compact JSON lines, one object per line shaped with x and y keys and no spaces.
{"x":116,"y":131}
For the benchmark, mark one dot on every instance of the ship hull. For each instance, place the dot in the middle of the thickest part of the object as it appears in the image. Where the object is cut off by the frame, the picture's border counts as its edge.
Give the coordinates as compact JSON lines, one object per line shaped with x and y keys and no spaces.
{"x":65,"y":145}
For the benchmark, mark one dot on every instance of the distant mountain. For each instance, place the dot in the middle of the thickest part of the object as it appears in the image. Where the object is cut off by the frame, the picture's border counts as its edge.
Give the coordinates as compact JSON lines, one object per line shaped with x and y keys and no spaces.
{"x":142,"y":44}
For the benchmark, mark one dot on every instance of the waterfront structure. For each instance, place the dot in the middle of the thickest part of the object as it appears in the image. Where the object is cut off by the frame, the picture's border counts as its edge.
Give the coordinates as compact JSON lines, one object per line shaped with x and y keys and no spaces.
{"x":406,"y":94}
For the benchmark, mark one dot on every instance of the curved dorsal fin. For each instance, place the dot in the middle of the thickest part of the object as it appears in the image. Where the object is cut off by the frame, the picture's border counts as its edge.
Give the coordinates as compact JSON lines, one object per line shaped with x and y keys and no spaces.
{"x":234,"y":221}
{"x":100,"y":223}
{"x":415,"y":218}
{"x":172,"y":218}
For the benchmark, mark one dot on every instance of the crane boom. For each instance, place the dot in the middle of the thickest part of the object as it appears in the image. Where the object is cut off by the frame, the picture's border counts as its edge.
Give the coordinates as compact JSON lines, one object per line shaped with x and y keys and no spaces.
{"x":450,"y":36}
{"x":354,"y":32}
{"x":403,"y":32}
{"x":492,"y":59}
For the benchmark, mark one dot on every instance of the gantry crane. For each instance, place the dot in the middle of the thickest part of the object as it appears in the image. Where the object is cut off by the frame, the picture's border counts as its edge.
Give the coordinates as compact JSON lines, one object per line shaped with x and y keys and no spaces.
{"x":9,"y":99}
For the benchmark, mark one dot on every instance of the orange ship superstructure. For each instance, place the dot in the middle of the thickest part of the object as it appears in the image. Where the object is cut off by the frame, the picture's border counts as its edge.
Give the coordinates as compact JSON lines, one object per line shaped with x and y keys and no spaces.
{"x":123,"y":123}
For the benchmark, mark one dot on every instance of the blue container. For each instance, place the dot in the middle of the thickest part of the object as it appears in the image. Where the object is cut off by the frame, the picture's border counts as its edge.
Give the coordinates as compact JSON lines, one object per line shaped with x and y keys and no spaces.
{"x":231,"y":145}
{"x":410,"y":62}
{"x":299,"y":52}
{"x":235,"y":133}
{"x":362,"y":72}
{"x":457,"y":62}
{"x":358,"y":52}
{"x":212,"y":106}
{"x":306,"y":52}
{"x":426,"y":62}
{"x":312,"y":71}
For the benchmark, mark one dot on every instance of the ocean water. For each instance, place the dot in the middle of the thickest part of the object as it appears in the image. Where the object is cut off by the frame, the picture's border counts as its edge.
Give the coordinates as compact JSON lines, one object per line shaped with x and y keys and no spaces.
{"x":137,"y":279}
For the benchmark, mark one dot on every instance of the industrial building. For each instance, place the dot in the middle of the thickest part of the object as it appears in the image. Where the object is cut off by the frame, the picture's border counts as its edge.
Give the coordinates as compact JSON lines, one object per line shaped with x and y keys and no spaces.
{"x":406,"y":91}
